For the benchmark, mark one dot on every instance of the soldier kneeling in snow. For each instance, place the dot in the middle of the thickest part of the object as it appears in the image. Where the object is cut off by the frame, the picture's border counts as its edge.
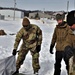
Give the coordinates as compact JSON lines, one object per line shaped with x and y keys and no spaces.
{"x":32,"y":39}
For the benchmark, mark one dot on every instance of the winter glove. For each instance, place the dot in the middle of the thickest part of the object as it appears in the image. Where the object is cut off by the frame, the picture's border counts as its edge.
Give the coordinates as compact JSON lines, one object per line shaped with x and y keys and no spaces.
{"x":14,"y":52}
{"x":68,"y":52}
{"x":51,"y":49}
{"x":38,"y":48}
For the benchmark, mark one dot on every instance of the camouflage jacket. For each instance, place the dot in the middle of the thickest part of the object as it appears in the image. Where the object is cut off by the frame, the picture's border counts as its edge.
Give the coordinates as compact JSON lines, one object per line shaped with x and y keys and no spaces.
{"x":31,"y":38}
{"x":60,"y":36}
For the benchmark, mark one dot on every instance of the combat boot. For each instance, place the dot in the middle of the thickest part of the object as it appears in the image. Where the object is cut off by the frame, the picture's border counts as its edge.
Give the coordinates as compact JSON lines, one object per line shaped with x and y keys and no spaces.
{"x":35,"y":72}
{"x":16,"y":72}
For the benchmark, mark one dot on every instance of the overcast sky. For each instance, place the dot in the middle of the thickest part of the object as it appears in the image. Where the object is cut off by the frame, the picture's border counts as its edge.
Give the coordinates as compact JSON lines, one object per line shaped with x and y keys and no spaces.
{"x":50,"y":5}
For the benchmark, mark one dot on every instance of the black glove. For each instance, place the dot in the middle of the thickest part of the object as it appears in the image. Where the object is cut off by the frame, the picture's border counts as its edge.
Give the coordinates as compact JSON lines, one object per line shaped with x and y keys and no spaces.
{"x":68,"y":52}
{"x":51,"y":49}
{"x":38,"y":48}
{"x":14,"y":52}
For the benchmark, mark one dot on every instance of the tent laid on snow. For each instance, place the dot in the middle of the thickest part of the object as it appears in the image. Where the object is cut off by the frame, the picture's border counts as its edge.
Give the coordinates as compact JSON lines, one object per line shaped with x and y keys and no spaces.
{"x":7,"y":65}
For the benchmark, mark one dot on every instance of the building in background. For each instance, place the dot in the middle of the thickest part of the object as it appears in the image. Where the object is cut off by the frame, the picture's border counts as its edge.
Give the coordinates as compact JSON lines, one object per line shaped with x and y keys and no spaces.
{"x":10,"y":13}
{"x":39,"y":15}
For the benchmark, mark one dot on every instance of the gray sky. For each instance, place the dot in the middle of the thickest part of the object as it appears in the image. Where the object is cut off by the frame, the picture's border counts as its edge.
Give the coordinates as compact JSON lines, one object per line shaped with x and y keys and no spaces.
{"x":50,"y":5}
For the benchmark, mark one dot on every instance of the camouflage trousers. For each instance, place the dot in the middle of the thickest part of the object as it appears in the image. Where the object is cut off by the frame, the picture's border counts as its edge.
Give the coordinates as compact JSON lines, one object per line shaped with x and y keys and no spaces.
{"x":22,"y":55}
{"x":71,"y":66}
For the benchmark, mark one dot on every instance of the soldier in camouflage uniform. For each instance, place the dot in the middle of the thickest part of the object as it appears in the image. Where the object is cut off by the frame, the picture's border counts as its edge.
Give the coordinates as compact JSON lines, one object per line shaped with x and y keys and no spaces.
{"x":59,"y":37}
{"x":32,"y":39}
{"x":71,"y":42}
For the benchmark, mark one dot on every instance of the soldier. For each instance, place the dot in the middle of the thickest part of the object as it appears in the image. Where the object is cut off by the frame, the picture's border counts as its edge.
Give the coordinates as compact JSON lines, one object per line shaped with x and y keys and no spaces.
{"x":71,"y":42}
{"x":32,"y":38}
{"x":59,"y":37}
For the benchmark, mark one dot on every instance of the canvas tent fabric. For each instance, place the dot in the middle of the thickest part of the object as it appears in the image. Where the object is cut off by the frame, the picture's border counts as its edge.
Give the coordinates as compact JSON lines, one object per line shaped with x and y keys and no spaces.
{"x":7,"y":65}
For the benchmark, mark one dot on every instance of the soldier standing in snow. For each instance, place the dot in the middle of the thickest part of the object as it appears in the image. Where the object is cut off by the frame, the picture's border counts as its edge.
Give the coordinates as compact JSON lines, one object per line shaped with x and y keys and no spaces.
{"x":32,"y":39}
{"x":59,"y":37}
{"x":71,"y":42}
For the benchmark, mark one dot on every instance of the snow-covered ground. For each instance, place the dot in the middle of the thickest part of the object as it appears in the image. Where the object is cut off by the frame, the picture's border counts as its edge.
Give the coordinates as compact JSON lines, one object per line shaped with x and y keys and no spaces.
{"x":47,"y":60}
